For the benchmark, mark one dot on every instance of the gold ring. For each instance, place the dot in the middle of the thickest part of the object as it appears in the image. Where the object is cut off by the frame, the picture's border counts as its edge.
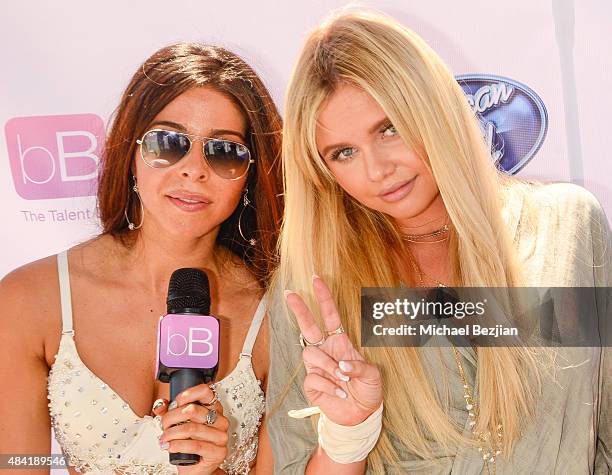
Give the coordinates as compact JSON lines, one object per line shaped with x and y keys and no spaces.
{"x":337,"y":331}
{"x":304,"y":342}
{"x":213,"y":401}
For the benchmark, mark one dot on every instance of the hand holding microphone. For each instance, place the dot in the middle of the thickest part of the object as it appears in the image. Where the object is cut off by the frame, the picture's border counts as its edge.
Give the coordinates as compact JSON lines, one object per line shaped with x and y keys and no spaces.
{"x":195,"y":430}
{"x":346,"y":388}
{"x":189,"y":428}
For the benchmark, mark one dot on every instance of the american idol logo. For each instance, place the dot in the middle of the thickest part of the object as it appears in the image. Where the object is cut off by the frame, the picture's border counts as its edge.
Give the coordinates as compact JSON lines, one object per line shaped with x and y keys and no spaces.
{"x":513,"y":118}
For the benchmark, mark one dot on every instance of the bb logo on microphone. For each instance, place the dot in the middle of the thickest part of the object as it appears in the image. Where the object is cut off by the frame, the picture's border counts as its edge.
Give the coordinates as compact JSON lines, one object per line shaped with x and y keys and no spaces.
{"x":55,"y":156}
{"x":188,"y":341}
{"x":513,"y":118}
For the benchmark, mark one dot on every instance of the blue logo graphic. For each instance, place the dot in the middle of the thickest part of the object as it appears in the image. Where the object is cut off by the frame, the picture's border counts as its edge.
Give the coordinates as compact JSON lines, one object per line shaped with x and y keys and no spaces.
{"x":513,"y":118}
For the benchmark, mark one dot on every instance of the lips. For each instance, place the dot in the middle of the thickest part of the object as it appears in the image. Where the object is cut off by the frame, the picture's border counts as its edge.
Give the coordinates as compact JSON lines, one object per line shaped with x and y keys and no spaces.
{"x":188,"y":201}
{"x":397,"y":191}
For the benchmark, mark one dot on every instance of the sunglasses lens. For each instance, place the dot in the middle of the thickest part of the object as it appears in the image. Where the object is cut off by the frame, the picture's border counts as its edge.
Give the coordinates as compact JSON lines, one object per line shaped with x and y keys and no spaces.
{"x":228,"y":159}
{"x":163,"y":148}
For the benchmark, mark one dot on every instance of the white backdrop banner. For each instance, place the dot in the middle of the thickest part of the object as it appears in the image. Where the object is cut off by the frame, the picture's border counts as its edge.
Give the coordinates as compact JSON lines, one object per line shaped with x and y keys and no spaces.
{"x":538,"y":73}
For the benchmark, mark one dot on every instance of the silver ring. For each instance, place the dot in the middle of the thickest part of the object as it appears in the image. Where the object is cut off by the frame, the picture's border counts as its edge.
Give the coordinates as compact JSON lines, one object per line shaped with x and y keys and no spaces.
{"x":337,"y":331}
{"x":304,"y":342}
{"x":211,"y":417}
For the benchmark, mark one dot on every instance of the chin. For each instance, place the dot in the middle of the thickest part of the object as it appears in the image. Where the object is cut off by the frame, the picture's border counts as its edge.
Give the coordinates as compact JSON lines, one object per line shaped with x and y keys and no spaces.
{"x":182,"y":229}
{"x":406,"y":211}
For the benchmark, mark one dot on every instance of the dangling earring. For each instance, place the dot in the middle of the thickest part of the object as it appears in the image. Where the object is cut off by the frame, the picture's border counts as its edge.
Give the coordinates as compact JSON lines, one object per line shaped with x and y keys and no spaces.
{"x":245,"y":202}
{"x":132,"y":226}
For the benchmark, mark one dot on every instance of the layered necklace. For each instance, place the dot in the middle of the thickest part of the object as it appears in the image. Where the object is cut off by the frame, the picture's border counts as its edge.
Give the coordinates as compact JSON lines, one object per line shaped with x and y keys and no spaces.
{"x":443,"y":231}
{"x":489,"y":446}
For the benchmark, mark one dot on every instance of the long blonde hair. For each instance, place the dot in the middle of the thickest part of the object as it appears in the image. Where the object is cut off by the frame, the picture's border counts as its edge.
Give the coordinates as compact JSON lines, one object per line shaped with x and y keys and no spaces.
{"x":327,"y":232}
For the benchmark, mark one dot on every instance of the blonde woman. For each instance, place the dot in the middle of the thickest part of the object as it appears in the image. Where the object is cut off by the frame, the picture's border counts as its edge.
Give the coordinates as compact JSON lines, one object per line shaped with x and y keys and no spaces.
{"x":388,"y":182}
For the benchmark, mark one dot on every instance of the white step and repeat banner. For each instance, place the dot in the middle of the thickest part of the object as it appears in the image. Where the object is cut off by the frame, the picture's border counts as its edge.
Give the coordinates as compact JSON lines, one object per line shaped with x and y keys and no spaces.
{"x":538,"y":72}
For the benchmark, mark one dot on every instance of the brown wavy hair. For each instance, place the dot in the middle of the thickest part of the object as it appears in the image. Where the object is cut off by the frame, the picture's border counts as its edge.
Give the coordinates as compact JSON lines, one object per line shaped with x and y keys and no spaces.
{"x":160,"y":79}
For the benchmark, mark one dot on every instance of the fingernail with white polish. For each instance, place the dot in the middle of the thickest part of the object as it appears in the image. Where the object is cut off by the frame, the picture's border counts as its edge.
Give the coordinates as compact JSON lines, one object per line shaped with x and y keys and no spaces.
{"x":164,"y":445}
{"x":172,"y":405}
{"x":341,"y":376}
{"x":345,"y":366}
{"x":288,"y":292}
{"x":340,"y":393}
{"x":158,"y":403}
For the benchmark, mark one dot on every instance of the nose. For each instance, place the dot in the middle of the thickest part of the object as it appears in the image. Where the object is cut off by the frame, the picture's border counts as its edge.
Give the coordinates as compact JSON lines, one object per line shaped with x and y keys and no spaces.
{"x":194,"y":166}
{"x":378,"y":166}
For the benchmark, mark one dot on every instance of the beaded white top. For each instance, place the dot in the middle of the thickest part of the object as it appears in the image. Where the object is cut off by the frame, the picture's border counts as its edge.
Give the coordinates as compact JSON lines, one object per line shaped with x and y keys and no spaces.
{"x":100,"y":434}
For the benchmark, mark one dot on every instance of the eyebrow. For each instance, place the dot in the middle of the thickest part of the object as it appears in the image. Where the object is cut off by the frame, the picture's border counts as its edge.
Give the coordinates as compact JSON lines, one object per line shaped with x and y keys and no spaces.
{"x":213,"y":133}
{"x":375,"y":128}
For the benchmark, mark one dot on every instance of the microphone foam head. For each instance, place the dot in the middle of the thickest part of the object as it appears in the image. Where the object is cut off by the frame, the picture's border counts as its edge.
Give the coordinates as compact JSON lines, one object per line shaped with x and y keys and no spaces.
{"x":188,"y":292}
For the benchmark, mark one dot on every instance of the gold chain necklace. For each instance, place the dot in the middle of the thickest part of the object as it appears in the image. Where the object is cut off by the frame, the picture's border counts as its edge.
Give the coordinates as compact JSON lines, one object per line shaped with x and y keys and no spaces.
{"x":488,"y":448}
{"x":423,"y":237}
{"x":422,"y":274}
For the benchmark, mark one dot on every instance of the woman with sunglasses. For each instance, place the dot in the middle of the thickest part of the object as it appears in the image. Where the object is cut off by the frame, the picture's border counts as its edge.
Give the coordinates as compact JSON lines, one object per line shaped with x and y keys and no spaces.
{"x":189,"y":178}
{"x":388,"y":182}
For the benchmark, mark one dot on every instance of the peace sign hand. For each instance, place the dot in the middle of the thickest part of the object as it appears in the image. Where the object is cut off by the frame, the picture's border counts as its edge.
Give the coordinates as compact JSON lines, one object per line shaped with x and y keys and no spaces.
{"x":346,"y":388}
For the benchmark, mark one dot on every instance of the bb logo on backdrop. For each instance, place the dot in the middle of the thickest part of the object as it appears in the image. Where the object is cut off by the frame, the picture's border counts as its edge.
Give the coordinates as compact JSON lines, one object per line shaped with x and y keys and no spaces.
{"x":55,"y":156}
{"x":513,"y":118}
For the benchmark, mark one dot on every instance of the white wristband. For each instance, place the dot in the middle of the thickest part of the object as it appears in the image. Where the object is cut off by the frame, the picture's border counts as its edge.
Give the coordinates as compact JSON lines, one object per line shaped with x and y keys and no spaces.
{"x":348,"y":444}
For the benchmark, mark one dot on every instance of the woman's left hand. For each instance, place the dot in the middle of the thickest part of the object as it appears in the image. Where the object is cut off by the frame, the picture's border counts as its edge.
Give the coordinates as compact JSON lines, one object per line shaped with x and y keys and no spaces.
{"x":187,"y":429}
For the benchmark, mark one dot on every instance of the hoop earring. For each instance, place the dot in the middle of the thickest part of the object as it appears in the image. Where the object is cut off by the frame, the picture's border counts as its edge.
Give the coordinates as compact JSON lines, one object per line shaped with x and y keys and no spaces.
{"x":245,"y":202}
{"x":132,"y":226}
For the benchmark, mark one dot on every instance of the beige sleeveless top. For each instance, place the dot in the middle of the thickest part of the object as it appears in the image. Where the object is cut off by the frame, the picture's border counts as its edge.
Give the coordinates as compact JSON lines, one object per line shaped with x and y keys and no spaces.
{"x":100,"y":434}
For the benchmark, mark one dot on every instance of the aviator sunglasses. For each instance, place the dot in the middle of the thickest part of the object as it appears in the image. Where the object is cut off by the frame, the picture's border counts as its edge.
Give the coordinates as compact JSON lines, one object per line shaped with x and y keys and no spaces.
{"x":161,"y":148}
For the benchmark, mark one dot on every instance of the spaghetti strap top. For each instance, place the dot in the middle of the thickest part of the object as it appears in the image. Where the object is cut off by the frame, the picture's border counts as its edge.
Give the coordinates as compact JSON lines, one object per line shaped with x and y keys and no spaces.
{"x":99,"y":432}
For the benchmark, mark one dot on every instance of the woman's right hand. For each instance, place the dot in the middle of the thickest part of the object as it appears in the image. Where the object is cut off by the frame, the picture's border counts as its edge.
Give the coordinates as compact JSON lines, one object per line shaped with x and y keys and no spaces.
{"x":186,"y":428}
{"x":346,"y":388}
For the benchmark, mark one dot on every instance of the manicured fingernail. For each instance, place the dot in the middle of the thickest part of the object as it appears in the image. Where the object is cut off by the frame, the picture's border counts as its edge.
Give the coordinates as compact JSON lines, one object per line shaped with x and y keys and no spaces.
{"x":345,"y":366}
{"x":288,"y":292}
{"x":172,"y":405}
{"x":164,"y":445}
{"x":341,"y":376}
{"x":340,"y":393}
{"x":157,"y":404}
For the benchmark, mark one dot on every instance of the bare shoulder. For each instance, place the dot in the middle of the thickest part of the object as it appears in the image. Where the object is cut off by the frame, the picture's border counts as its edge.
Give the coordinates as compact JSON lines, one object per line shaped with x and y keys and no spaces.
{"x":31,"y":314}
{"x":246,"y":293}
{"x":30,"y":298}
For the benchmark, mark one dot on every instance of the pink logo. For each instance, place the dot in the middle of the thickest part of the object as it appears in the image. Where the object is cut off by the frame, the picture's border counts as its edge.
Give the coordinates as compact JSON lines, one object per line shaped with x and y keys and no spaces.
{"x":188,"y":341}
{"x":55,"y":156}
